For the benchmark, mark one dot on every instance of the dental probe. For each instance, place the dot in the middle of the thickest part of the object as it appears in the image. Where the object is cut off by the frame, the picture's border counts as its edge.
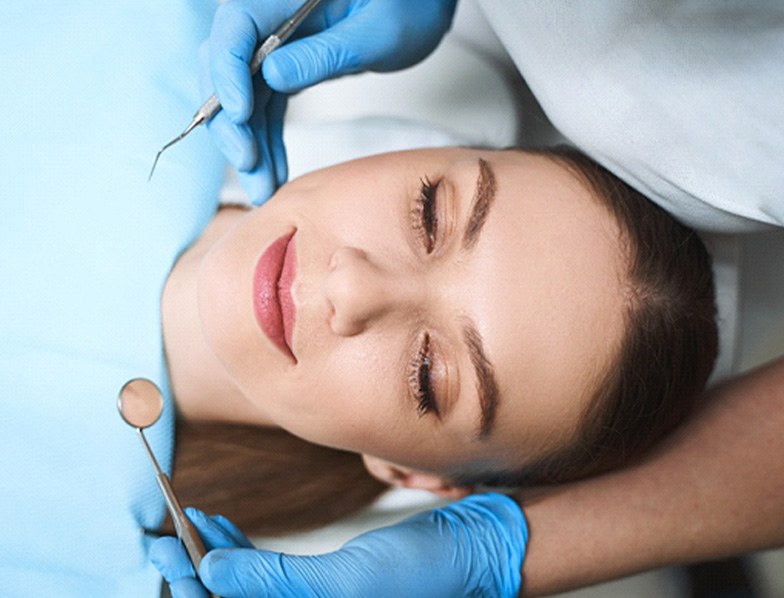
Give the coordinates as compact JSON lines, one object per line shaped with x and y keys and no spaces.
{"x":212,"y":106}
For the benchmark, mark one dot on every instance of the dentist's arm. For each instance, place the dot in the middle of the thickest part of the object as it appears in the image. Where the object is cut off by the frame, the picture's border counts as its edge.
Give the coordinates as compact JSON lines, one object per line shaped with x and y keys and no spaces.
{"x":713,"y":490}
{"x":339,"y":37}
{"x":472,"y":547}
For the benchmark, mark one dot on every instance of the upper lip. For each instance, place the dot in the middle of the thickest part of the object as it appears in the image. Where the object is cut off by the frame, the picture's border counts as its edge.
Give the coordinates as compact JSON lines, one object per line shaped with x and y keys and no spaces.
{"x":272,"y":301}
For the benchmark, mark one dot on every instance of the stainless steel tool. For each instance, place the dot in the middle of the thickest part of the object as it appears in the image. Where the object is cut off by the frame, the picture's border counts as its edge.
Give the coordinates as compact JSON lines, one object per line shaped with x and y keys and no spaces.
{"x":212,"y":106}
{"x":140,"y":404}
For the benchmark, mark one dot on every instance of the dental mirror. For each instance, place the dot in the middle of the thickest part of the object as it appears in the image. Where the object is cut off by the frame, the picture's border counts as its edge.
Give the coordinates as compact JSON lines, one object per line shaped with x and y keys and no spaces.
{"x":140,"y":404}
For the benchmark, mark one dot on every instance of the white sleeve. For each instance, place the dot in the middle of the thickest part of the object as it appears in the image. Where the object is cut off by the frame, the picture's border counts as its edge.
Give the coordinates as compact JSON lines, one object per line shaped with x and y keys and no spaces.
{"x":682,"y":100}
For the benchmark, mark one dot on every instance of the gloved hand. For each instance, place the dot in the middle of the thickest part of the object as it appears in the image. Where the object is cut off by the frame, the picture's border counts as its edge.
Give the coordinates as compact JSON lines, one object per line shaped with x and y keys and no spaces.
{"x":168,"y":553}
{"x":338,"y":37}
{"x":472,"y":547}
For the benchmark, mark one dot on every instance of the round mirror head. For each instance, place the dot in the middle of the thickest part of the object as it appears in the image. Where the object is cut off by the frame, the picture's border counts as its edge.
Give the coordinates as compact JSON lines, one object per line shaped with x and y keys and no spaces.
{"x":140,"y":403}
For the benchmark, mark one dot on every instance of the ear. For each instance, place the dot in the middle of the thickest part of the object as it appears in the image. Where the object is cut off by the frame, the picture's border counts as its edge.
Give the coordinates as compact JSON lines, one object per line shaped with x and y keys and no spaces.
{"x":405,"y":477}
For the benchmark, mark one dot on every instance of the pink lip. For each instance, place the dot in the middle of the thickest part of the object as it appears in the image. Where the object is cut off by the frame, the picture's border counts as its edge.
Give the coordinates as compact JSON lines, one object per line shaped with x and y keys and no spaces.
{"x":272,"y":302}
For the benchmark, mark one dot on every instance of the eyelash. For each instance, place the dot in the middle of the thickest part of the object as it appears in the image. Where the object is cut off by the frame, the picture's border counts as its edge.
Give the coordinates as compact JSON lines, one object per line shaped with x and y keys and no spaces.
{"x":424,"y":216}
{"x":425,"y":222}
{"x":420,"y":382}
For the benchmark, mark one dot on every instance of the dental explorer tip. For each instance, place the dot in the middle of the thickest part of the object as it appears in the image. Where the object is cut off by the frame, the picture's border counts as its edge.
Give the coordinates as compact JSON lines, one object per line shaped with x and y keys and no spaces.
{"x":198,"y":119}
{"x":154,"y":164}
{"x":160,"y":151}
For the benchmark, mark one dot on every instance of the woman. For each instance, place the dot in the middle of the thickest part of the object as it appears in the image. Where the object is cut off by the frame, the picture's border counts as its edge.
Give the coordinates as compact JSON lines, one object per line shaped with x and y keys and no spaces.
{"x":85,"y":262}
{"x":627,"y":86}
{"x":353,"y":311}
{"x":453,"y":310}
{"x":455,"y":315}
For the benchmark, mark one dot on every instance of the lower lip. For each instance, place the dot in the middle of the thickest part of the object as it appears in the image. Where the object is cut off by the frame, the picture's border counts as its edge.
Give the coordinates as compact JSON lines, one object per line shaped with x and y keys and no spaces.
{"x":272,"y":302}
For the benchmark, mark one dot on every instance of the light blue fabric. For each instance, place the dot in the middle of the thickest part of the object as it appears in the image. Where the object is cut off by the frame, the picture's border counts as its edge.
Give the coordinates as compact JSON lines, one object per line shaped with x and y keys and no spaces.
{"x":91,"y":90}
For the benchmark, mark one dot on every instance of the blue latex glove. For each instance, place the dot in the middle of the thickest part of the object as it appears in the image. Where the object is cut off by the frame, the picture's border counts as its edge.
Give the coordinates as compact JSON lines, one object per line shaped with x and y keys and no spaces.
{"x":339,"y":37}
{"x":472,"y":547}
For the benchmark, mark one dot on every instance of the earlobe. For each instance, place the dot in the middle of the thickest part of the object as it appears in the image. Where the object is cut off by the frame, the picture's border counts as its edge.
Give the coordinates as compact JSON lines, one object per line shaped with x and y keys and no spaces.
{"x":405,"y":477}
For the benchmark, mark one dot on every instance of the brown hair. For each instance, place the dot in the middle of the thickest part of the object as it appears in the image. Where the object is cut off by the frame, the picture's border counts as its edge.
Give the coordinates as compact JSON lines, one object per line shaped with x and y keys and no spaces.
{"x":670,"y":342}
{"x":268,"y":481}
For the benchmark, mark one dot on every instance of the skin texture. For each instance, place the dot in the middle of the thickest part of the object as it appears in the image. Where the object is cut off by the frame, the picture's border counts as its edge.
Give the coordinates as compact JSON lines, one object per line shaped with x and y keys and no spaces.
{"x":540,"y":283}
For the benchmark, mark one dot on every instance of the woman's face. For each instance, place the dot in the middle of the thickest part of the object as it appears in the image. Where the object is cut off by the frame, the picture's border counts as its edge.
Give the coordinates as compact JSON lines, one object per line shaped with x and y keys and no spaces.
{"x":449,"y":310}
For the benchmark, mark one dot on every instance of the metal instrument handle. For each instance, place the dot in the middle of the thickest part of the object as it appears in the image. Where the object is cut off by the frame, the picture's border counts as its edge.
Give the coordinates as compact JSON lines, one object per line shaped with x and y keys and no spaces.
{"x":185,"y":530}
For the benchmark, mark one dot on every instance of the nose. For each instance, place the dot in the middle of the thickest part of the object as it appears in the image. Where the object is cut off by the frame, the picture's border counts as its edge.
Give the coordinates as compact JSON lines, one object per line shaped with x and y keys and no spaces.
{"x":361,"y":291}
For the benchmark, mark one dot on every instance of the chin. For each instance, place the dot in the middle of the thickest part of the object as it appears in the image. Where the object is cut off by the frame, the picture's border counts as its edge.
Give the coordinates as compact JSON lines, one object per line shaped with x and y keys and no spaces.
{"x":226,"y":320}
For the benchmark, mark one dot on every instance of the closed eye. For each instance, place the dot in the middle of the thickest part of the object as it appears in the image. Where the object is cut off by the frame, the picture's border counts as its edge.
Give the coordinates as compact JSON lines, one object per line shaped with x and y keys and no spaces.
{"x":424,"y":215}
{"x":420,"y":381}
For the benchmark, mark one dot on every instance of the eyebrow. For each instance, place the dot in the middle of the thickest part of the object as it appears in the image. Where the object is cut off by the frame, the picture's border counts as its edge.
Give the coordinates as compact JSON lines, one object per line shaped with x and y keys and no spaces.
{"x":484,"y":194}
{"x":485,"y":380}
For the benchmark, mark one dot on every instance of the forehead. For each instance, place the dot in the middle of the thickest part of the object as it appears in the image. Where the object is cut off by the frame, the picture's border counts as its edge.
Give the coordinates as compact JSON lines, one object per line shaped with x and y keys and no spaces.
{"x":550,"y":302}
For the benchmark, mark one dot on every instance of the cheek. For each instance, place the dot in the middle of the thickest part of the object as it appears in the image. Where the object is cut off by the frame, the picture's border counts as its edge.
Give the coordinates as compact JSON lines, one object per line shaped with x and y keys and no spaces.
{"x":344,"y":398}
{"x":350,"y":204}
{"x":224,"y":302}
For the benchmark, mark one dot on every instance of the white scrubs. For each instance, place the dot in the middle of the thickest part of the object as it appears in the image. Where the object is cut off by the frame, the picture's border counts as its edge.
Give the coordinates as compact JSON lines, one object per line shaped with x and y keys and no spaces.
{"x":683,"y":100}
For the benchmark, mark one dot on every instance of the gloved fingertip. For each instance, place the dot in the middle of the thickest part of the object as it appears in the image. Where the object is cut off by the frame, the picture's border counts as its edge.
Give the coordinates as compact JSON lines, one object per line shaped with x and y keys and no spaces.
{"x":235,"y":572}
{"x":259,"y":188}
{"x":271,"y":72}
{"x":194,"y":513}
{"x":187,"y":587}
{"x":236,"y":142}
{"x":276,"y":117}
{"x":282,"y":73}
{"x":260,"y":199}
{"x":201,"y":520}
{"x":212,"y":565}
{"x":159,"y":554}
{"x":245,"y":151}
{"x":231,"y":532}
{"x":281,"y":168}
{"x":168,"y":555}
{"x":226,"y":524}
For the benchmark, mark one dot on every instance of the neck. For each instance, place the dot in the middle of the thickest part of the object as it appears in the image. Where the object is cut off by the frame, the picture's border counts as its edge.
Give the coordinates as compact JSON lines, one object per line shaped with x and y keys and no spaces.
{"x":202,"y":388}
